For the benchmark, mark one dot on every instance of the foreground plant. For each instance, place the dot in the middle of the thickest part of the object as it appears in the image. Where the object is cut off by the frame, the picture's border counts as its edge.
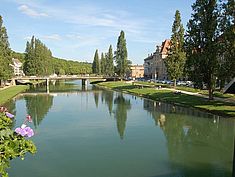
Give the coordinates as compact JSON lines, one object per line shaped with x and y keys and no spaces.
{"x":13,"y":144}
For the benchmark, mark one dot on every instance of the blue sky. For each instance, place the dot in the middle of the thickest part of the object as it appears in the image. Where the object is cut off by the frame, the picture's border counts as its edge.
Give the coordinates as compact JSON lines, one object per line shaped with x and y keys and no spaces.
{"x":73,"y":29}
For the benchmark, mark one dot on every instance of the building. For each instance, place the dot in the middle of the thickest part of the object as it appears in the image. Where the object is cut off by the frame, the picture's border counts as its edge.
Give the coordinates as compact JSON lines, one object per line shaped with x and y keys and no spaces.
{"x":17,"y":67}
{"x":154,"y":66}
{"x":137,"y":71}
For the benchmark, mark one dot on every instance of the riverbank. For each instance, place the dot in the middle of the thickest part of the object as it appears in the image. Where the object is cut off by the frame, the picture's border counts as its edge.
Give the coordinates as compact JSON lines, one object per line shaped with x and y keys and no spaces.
{"x":219,"y":107}
{"x":9,"y":92}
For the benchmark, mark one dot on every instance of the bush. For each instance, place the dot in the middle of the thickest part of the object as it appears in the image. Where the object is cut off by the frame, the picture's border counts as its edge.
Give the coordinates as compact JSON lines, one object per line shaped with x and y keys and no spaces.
{"x":12,"y":145}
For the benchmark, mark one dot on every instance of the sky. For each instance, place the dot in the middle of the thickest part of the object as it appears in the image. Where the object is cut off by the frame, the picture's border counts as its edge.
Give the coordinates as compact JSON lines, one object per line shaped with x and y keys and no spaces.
{"x":74,"y":29}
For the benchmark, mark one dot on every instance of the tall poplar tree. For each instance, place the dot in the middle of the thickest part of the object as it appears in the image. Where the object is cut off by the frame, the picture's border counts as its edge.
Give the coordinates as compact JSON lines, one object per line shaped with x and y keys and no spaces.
{"x":201,"y":47}
{"x":38,"y":58}
{"x":96,"y":63}
{"x":176,"y":55}
{"x":103,"y":67}
{"x":109,"y":62}
{"x":6,"y":71}
{"x":121,"y":55}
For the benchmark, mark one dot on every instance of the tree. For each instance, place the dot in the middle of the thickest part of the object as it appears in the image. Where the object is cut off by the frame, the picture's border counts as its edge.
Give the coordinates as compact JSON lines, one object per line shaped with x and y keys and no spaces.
{"x":109,"y":62}
{"x":38,"y":58}
{"x":6,"y":71}
{"x":200,"y":43}
{"x":121,"y":55}
{"x":103,"y":66}
{"x":226,"y":42}
{"x":96,"y":63}
{"x":176,"y":55}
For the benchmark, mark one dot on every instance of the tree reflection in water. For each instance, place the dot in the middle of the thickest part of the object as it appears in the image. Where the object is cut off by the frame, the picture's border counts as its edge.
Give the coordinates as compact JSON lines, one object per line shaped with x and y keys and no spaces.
{"x":120,"y":113}
{"x":38,"y":107}
{"x":107,"y":96}
{"x":195,"y":144}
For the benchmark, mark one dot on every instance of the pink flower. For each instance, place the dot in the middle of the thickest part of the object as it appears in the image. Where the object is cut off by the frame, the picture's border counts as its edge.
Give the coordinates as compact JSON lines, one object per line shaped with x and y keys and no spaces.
{"x":27,"y":131}
{"x":28,"y":117}
{"x":9,"y":115}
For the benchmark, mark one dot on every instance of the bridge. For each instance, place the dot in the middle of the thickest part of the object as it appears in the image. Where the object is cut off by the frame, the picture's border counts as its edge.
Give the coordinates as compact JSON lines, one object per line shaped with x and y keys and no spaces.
{"x":84,"y":78}
{"x":47,"y":79}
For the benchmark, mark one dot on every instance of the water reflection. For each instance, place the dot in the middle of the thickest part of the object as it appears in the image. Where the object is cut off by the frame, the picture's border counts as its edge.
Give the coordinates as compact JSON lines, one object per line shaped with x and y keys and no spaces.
{"x":38,"y":106}
{"x":96,"y":98}
{"x":187,"y":145}
{"x":120,"y":113}
{"x":194,"y":145}
{"x":107,"y":96}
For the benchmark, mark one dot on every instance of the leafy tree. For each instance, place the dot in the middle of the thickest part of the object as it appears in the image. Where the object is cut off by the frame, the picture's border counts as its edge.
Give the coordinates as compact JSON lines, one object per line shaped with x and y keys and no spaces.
{"x":201,"y":48}
{"x":226,"y":42}
{"x":103,"y":62}
{"x":121,"y":55}
{"x":109,"y":60}
{"x":38,"y":58}
{"x":6,"y":70}
{"x":96,"y":63}
{"x":176,"y":56}
{"x":20,"y":56}
{"x":62,"y":67}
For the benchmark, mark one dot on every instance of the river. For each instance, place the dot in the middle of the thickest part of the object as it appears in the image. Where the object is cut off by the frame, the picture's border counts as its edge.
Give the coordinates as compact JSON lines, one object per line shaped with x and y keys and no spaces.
{"x":90,"y":132}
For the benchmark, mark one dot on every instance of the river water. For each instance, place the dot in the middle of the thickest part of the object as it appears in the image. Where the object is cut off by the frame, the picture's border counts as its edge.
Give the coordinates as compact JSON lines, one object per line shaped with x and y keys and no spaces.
{"x":90,"y":132}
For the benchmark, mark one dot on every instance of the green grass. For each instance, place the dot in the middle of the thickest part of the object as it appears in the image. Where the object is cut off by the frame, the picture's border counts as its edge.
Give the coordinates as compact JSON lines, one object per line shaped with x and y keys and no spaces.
{"x":10,"y":92}
{"x":217,"y":107}
{"x":220,"y":95}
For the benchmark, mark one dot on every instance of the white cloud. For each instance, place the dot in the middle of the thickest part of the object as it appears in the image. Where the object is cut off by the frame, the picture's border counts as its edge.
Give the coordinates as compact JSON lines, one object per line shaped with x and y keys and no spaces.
{"x":73,"y":36}
{"x":54,"y":37}
{"x":31,"y":12}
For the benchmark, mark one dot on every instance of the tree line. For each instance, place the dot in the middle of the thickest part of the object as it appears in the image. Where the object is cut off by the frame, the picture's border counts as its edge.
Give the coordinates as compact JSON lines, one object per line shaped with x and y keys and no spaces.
{"x":105,"y":64}
{"x":205,"y":53}
{"x":37,"y":59}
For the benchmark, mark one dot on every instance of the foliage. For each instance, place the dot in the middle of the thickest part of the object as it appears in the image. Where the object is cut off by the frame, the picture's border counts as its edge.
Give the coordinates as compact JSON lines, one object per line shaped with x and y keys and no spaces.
{"x":109,"y":62}
{"x":6,"y":70}
{"x":96,"y":63}
{"x":17,"y":55}
{"x":226,"y":42}
{"x":121,"y":55}
{"x":103,"y":64}
{"x":11,"y":145}
{"x":176,"y":55}
{"x":201,"y":46}
{"x":69,"y":67}
{"x":37,"y":58}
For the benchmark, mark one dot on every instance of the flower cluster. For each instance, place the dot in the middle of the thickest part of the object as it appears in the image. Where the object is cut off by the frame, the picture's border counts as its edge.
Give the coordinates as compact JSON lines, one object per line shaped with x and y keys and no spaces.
{"x":24,"y":130}
{"x":27,"y":131}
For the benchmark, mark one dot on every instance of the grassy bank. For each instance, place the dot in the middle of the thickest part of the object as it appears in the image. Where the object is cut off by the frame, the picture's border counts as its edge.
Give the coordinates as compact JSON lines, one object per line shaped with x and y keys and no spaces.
{"x":217,"y":107}
{"x":10,"y":92}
